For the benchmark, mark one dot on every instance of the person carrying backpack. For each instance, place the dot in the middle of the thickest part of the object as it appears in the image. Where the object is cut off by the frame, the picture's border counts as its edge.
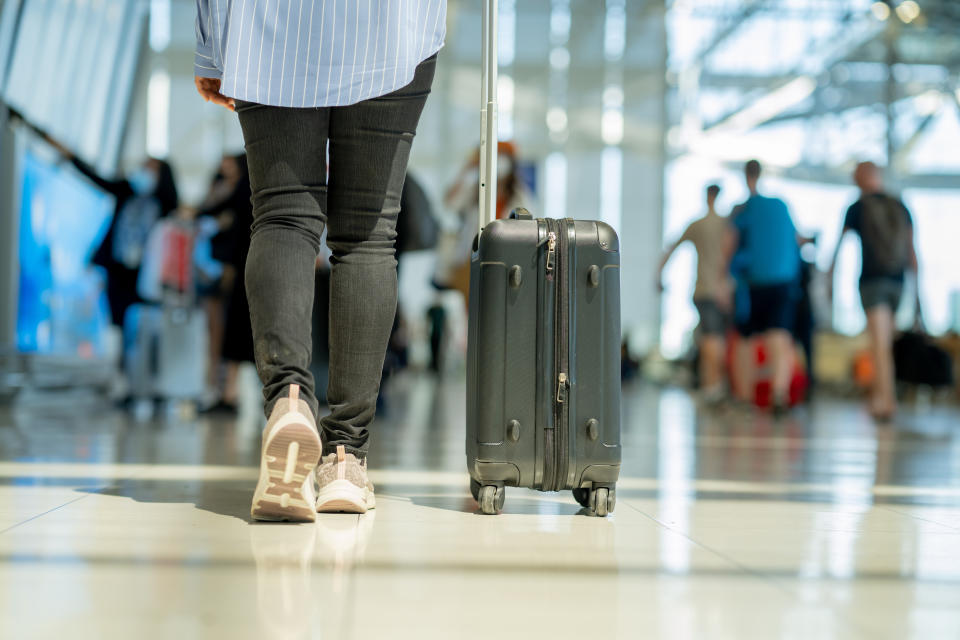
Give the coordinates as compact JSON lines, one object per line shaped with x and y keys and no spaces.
{"x":885,"y":228}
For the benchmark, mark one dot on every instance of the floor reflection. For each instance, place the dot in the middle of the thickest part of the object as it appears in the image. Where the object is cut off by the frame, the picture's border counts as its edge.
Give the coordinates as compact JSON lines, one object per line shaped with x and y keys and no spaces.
{"x":285,"y":599}
{"x":728,"y":525}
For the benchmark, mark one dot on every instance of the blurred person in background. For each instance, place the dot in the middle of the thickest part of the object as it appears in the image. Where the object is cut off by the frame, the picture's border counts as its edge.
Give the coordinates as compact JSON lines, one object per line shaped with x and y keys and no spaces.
{"x":713,"y":240}
{"x":225,"y":299}
{"x":744,"y":351}
{"x":768,"y":238}
{"x":463,"y":198}
{"x":166,"y":335}
{"x":888,"y":251}
{"x":318,"y":86}
{"x":805,"y":321}
{"x":143,"y":197}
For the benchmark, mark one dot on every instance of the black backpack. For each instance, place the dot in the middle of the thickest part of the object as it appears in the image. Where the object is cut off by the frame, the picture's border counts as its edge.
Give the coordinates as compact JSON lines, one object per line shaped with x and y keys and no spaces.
{"x":885,"y":228}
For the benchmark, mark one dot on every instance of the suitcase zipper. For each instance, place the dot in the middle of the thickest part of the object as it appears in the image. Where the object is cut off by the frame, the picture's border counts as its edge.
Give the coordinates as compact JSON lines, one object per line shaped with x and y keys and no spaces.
{"x":550,"y":434}
{"x":551,"y":251}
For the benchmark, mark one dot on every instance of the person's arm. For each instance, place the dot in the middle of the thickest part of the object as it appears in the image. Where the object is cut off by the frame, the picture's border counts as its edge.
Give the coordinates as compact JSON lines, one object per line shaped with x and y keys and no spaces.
{"x":913,"y":263}
{"x":731,"y":240}
{"x":208,"y":75}
{"x":667,"y":254}
{"x":913,"y":266}
{"x":666,"y":258}
{"x":848,"y":225}
{"x":729,"y":243}
{"x":117,"y":188}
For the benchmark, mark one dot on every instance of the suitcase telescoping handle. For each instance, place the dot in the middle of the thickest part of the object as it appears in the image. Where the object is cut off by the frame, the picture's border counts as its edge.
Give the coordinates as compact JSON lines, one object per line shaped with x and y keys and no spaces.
{"x":488,"y":117}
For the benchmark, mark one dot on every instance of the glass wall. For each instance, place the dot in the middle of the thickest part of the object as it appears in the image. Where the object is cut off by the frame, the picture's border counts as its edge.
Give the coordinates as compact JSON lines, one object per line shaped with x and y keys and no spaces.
{"x":810,"y":88}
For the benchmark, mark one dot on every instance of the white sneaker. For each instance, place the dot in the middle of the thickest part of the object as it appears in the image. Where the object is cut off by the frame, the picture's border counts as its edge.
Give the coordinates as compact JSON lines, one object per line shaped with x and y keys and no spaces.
{"x":290,"y":452}
{"x":344,"y":486}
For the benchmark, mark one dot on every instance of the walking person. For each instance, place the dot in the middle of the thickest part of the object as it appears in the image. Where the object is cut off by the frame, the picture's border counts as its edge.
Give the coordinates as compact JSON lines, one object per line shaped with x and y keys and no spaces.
{"x":885,"y":228}
{"x":142,"y":198}
{"x":712,"y":238}
{"x":230,"y":199}
{"x":769,"y":243}
{"x":348,"y":79}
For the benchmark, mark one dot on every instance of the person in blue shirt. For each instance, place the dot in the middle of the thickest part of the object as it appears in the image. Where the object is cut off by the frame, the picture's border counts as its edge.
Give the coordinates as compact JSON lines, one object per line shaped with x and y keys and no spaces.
{"x":768,"y":243}
{"x":347,"y":81}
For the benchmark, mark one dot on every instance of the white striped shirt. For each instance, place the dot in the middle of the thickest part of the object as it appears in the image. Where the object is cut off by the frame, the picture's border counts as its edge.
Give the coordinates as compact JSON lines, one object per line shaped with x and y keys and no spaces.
{"x":315,"y":53}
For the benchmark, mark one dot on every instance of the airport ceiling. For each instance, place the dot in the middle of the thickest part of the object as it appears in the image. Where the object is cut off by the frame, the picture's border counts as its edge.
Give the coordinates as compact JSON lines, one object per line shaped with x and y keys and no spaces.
{"x":924,"y":31}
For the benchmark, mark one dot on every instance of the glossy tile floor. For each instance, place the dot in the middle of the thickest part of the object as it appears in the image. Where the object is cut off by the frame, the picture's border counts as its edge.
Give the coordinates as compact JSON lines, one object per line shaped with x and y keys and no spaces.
{"x":727,"y":526}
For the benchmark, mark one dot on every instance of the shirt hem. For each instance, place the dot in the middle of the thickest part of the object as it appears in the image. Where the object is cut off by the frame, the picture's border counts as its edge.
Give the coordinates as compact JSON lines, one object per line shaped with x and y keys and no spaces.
{"x":229,"y":91}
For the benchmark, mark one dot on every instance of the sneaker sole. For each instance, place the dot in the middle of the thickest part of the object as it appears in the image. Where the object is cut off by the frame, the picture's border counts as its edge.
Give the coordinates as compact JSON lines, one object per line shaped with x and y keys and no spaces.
{"x":288,"y":459}
{"x":342,"y":496}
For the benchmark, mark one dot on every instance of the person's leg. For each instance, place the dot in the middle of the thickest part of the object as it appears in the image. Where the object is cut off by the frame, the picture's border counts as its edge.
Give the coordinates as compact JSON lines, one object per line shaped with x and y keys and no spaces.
{"x":744,"y":368}
{"x":711,"y":347}
{"x":230,"y":393}
{"x":881,"y":298}
{"x":213,"y":306}
{"x":880,"y":328}
{"x":369,"y":148}
{"x":286,"y":152}
{"x":745,"y":355}
{"x":711,"y":364}
{"x":779,"y":344}
{"x":780,"y":310}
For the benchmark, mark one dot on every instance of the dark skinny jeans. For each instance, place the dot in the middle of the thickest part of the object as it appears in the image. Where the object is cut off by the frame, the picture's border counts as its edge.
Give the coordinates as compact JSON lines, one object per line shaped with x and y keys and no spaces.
{"x":293,"y":200}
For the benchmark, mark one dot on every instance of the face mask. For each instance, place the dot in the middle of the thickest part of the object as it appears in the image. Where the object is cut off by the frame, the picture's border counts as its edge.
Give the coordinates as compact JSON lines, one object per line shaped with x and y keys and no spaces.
{"x":143,"y":181}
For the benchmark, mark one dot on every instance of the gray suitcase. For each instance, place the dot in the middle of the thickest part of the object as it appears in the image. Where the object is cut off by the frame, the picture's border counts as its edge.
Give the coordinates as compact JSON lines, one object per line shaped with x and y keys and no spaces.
{"x":543,"y":357}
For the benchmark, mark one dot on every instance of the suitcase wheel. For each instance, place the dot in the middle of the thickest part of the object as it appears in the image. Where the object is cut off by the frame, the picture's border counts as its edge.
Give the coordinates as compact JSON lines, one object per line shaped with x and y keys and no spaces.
{"x":491,"y":499}
{"x":582,"y":496}
{"x":602,"y":500}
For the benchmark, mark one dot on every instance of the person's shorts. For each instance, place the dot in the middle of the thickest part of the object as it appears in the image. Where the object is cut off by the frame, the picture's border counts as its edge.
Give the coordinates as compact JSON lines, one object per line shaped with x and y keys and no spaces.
{"x":713,"y":320}
{"x":772,"y":307}
{"x":881,"y":292}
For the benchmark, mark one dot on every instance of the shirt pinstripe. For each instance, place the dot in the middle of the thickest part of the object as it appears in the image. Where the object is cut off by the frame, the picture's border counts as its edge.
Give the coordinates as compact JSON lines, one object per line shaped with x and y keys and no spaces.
{"x":315,"y":53}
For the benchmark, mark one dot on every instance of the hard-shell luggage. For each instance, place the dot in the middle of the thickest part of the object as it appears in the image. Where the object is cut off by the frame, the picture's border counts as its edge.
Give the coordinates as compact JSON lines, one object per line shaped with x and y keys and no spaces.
{"x":166,"y":352}
{"x":543,"y":361}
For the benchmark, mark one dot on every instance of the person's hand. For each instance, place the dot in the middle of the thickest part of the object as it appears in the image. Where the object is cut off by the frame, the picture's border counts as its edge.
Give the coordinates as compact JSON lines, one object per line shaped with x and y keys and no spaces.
{"x":209,"y":89}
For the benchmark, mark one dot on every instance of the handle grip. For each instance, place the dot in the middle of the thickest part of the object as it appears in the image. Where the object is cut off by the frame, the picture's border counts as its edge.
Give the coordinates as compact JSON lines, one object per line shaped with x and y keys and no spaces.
{"x":488,"y":116}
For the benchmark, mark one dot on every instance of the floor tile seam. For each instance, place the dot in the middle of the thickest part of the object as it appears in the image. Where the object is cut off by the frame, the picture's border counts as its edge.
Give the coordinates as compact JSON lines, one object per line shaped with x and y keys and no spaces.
{"x":726,"y":558}
{"x":777,"y":583}
{"x":48,"y":511}
{"x":93,"y":491}
{"x":915,"y":517}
